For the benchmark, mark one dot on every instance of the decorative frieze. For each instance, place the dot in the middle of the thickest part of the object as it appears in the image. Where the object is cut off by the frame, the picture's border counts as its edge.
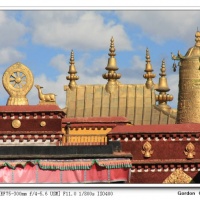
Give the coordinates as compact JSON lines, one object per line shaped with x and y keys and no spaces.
{"x":155,"y":137}
{"x":164,"y":167}
{"x":24,"y":137}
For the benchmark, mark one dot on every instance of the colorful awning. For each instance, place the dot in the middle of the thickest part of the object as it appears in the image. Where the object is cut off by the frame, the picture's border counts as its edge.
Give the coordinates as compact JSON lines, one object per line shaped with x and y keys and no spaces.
{"x":65,"y":171}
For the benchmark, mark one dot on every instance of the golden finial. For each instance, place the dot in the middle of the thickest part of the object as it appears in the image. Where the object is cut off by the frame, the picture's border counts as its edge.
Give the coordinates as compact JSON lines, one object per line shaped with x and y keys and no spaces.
{"x":149,"y":76}
{"x":72,"y":72}
{"x":112,"y":76}
{"x":197,"y":38}
{"x":112,"y":49}
{"x":147,"y":150}
{"x":163,"y":88}
{"x":189,"y":150}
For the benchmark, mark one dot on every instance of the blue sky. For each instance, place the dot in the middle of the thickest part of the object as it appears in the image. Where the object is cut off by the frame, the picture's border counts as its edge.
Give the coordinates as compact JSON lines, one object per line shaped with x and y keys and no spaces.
{"x":43,"y":40}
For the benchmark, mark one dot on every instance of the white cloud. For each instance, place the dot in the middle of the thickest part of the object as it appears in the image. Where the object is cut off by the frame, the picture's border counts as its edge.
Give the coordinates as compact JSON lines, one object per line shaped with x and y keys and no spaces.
{"x":164,"y":25}
{"x":12,"y":34}
{"x":75,"y":29}
{"x":10,"y":55}
{"x":11,"y":30}
{"x":60,"y":62}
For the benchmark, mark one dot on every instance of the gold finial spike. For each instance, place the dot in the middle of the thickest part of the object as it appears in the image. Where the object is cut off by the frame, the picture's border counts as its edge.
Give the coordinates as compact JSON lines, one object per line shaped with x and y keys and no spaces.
{"x":111,"y":76}
{"x":112,"y":64}
{"x":72,"y":68}
{"x":149,"y":76}
{"x":162,"y":85}
{"x":163,"y":69}
{"x":163,"y":88}
{"x":72,"y":72}
{"x":112,"y":48}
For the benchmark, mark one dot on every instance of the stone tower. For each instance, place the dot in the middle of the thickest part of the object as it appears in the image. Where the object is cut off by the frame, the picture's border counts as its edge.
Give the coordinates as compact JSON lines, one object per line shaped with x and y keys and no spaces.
{"x":189,"y":84}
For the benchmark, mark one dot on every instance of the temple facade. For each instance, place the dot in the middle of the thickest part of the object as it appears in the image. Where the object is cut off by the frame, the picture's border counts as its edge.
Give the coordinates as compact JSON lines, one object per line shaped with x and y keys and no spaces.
{"x":107,"y":133}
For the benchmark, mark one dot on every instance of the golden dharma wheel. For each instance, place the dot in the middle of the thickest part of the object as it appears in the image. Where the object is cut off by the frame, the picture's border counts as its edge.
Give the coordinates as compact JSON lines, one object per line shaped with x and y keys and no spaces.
{"x":18,"y":81}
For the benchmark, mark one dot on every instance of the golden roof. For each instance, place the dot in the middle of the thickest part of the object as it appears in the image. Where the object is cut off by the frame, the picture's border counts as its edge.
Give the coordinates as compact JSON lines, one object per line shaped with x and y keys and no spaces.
{"x":133,"y":101}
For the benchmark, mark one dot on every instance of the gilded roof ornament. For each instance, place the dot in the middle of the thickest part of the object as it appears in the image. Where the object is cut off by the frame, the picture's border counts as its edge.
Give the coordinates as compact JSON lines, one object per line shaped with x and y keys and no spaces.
{"x":149,"y":76}
{"x":163,"y":88}
{"x":147,"y":150}
{"x":197,"y":39}
{"x":178,"y":177}
{"x":45,"y":99}
{"x":17,"y":81}
{"x":111,"y":76}
{"x":192,"y":52}
{"x":72,"y":72}
{"x":189,"y":150}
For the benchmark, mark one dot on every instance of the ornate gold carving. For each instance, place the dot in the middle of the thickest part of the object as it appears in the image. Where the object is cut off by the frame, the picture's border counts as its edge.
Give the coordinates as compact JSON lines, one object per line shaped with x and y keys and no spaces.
{"x":149,"y":76}
{"x":16,"y":123}
{"x":189,"y":150}
{"x":163,"y":88}
{"x":112,"y":76}
{"x":45,"y":98}
{"x":147,"y":150}
{"x":178,"y":177}
{"x":72,"y":73}
{"x":42,"y":123}
{"x":17,"y":81}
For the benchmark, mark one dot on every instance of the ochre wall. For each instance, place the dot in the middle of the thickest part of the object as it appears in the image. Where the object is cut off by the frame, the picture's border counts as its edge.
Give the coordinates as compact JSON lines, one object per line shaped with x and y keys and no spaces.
{"x":85,"y":136}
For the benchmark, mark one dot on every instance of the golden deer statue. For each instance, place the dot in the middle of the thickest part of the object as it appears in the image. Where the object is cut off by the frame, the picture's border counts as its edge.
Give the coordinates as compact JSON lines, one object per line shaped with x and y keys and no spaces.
{"x":45,"y":98}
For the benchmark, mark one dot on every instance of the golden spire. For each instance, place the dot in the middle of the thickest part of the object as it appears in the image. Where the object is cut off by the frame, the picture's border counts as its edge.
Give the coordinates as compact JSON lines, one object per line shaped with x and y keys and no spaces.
{"x":72,"y":72}
{"x":163,"y":88}
{"x":149,"y":76}
{"x":112,"y":76}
